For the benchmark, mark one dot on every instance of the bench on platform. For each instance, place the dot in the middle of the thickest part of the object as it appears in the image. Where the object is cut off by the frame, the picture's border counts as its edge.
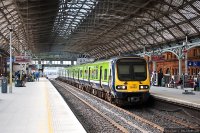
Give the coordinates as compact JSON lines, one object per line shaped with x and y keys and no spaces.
{"x":188,"y":91}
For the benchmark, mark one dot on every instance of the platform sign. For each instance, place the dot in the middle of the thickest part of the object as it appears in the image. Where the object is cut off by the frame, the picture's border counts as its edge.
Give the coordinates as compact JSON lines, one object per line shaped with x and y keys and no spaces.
{"x":194,"y":63}
{"x":84,"y":60}
{"x":8,"y":59}
{"x":22,"y":59}
{"x":190,"y":63}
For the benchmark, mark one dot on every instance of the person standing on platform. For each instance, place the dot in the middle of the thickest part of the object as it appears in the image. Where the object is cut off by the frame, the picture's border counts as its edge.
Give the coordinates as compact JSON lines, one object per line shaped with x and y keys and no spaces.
{"x":37,"y":75}
{"x":197,"y":83}
{"x":160,"y":76}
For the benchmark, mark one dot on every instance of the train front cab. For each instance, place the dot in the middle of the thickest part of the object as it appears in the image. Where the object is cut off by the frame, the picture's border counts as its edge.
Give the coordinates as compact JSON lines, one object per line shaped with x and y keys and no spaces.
{"x":132,"y":81}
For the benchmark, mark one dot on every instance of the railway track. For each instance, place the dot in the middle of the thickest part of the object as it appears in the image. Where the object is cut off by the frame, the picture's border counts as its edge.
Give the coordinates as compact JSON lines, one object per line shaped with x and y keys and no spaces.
{"x":129,"y":120}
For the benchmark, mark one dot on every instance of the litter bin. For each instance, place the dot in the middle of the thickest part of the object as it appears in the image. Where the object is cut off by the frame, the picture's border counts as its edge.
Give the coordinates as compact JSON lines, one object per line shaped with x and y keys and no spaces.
{"x":18,"y":83}
{"x":4,"y":85}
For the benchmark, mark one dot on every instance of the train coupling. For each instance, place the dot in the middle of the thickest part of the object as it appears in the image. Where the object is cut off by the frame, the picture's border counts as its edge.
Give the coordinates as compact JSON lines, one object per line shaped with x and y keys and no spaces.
{"x":133,"y":99}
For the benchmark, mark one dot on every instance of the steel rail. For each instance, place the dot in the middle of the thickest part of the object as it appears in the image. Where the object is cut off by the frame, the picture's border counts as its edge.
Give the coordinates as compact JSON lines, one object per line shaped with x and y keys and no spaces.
{"x":136,"y":117}
{"x":121,"y":128}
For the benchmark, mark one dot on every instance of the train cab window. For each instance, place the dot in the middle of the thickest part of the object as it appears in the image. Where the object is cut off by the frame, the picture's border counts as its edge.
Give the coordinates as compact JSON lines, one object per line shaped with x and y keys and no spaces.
{"x":131,"y":69}
{"x":105,"y":74}
{"x":124,"y":72}
{"x":139,"y":71}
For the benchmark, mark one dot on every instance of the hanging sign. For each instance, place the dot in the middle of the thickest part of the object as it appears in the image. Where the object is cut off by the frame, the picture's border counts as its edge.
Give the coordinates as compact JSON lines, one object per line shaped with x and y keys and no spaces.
{"x":8,"y":59}
{"x":194,"y":63}
{"x":22,"y":59}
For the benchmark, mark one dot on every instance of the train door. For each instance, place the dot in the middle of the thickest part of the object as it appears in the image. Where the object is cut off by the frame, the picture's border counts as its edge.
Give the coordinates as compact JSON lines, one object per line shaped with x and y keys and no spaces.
{"x":78,"y":74}
{"x":100,"y":76}
{"x":65,"y":75}
{"x":109,"y":79}
{"x":68,"y":74}
{"x":89,"y":75}
{"x":73,"y":74}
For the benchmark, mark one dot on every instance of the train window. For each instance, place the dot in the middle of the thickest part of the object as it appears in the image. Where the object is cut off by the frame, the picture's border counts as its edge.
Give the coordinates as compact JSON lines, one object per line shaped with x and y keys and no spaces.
{"x":96,"y":74}
{"x":84,"y":75}
{"x":105,"y":74}
{"x":81,"y":73}
{"x":93,"y":74}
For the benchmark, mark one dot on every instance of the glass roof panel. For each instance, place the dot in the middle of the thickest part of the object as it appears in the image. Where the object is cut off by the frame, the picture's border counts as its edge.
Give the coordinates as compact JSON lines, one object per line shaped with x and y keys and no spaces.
{"x":166,"y":21}
{"x":176,"y":17}
{"x":76,"y":10}
{"x":176,"y":32}
{"x":188,"y":12}
{"x":167,"y":35}
{"x":196,"y":23}
{"x":196,"y":4}
{"x":187,"y":27}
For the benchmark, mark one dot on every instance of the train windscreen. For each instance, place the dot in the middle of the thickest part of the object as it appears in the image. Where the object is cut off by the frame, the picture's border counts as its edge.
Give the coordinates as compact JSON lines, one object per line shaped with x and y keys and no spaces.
{"x":131,"y":69}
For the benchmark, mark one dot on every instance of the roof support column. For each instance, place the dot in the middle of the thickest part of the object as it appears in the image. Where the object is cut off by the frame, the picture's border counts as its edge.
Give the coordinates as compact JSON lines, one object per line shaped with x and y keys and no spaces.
{"x":154,"y":66}
{"x":186,"y":55}
{"x":180,"y":63}
{"x":186,"y":63}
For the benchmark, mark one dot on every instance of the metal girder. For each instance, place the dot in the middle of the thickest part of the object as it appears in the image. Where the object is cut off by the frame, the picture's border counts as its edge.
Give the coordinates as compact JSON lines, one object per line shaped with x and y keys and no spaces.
{"x":99,"y":28}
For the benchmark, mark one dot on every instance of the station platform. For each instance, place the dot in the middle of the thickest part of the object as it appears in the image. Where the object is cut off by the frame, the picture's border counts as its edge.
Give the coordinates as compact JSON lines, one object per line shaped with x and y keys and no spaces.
{"x":36,"y":108}
{"x":191,"y":99}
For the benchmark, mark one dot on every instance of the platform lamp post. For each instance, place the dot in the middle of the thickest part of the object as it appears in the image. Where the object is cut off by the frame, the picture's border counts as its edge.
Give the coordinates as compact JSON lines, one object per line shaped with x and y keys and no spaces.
{"x":11,"y":30}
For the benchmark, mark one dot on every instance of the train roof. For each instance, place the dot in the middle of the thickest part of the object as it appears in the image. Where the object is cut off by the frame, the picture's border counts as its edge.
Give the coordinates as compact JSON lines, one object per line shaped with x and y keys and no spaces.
{"x":106,"y":60}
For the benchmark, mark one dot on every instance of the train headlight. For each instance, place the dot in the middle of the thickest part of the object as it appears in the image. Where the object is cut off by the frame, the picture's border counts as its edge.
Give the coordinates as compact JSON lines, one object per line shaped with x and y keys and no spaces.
{"x":144,"y":87}
{"x":121,"y":87}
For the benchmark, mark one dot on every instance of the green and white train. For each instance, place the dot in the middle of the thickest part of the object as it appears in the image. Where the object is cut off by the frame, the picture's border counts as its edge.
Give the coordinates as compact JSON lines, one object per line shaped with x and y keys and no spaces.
{"x":120,"y":80}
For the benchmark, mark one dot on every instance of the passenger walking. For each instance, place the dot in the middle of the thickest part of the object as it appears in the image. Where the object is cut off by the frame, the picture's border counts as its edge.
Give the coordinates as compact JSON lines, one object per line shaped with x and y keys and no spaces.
{"x":23,"y":79}
{"x":196,"y":84}
{"x":179,"y":83}
{"x":160,"y":76}
{"x":37,"y":75}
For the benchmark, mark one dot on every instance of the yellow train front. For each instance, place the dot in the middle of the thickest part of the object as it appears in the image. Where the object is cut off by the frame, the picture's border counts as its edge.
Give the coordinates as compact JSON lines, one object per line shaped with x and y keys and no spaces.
{"x":131,"y":82}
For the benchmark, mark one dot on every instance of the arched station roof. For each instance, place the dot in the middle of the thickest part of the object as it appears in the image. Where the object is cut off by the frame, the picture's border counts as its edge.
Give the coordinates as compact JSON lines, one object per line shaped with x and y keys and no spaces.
{"x":97,"y":28}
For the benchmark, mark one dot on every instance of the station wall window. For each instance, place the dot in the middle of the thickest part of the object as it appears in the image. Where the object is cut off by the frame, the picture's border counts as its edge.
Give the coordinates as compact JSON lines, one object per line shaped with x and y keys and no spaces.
{"x":43,"y":62}
{"x":46,"y":62}
{"x":67,"y":62}
{"x":55,"y":62}
{"x":35,"y":62}
{"x":74,"y":62}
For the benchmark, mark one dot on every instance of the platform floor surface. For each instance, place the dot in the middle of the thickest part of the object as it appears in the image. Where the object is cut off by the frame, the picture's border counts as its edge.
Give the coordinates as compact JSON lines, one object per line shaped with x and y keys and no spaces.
{"x":36,"y":108}
{"x":177,"y":95}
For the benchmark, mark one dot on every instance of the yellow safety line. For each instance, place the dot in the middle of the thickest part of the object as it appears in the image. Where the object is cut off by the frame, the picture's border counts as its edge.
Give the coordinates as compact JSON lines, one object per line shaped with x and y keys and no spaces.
{"x":49,"y":112}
